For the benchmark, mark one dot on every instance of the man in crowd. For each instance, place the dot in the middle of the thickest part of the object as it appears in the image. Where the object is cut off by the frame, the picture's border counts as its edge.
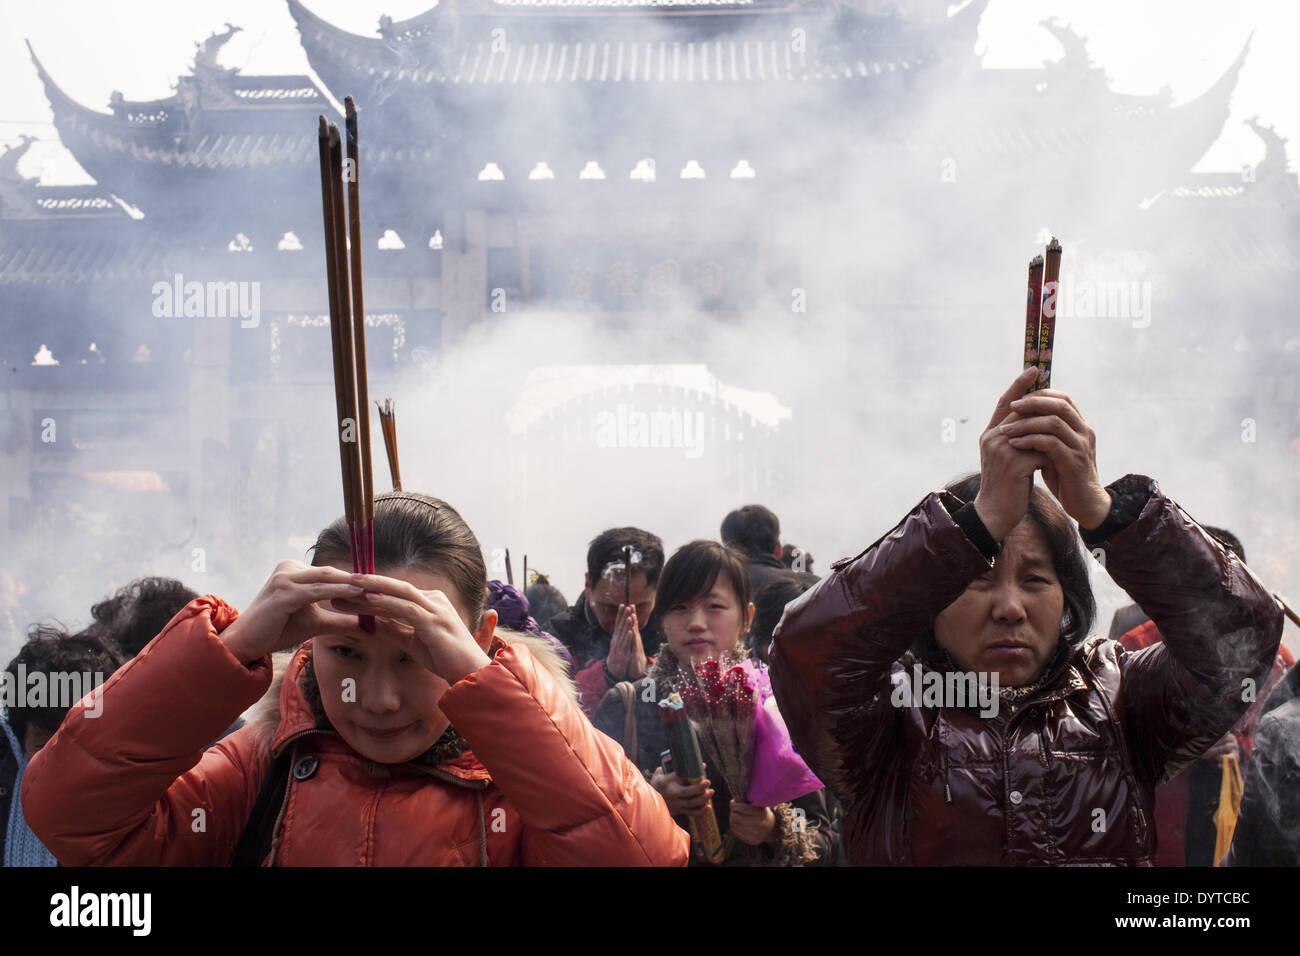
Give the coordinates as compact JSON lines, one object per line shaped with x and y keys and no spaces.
{"x":612,"y":640}
{"x":51,"y":668}
{"x":755,"y":532}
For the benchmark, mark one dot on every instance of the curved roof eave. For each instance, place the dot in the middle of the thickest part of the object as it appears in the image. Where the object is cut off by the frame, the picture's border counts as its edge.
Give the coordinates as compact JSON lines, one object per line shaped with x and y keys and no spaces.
{"x":1200,"y":121}
{"x":64,"y":105}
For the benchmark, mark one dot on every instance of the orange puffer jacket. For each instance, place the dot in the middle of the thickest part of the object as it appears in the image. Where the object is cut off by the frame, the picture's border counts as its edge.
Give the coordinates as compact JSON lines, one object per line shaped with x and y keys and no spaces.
{"x":134,"y":786}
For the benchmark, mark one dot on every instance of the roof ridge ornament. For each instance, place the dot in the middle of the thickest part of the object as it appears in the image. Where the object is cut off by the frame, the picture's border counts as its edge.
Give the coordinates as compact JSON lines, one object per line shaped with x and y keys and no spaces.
{"x":205,"y":60}
{"x":10,"y":157}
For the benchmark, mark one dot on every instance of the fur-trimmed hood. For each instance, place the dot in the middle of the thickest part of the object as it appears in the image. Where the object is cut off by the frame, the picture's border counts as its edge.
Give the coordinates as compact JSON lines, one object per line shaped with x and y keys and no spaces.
{"x":284,"y":713}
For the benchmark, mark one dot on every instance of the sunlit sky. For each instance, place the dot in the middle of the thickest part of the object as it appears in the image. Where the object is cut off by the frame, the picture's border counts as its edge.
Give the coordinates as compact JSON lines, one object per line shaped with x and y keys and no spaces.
{"x":140,"y":46}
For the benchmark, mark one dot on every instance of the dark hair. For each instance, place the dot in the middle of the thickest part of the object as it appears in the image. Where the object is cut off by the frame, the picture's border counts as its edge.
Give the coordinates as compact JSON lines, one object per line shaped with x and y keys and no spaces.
{"x":606,"y":549}
{"x":753,"y":528}
{"x":138,"y":612}
{"x":1228,"y":540}
{"x":416,"y":531}
{"x":788,"y":556}
{"x":1063,"y":545}
{"x":769,"y":604}
{"x":544,"y":601}
{"x":694,"y":568}
{"x":52,"y":650}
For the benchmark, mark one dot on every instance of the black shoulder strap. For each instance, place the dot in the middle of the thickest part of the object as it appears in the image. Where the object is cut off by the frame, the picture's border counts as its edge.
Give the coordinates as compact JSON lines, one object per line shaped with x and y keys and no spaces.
{"x":259,"y":831}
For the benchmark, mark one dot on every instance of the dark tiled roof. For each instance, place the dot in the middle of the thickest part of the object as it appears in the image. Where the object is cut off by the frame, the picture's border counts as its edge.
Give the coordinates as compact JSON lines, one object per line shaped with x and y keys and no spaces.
{"x":425,"y":51}
{"x":64,"y":258}
{"x":238,"y":121}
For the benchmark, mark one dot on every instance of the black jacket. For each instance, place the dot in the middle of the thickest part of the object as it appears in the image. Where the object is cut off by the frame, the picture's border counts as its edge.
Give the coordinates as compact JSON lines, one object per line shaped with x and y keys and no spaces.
{"x":766,"y":567}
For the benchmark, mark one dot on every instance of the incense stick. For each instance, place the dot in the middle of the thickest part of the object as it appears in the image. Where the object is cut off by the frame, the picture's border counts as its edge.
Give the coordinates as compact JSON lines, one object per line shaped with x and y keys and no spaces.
{"x":510,"y":571}
{"x":1047,"y":327}
{"x":525,"y":574}
{"x":367,"y":496}
{"x":627,"y":574}
{"x":1287,"y":609}
{"x":353,"y":506}
{"x":388,"y":425}
{"x":348,"y":345}
{"x":331,"y":266}
{"x":1033,"y":310}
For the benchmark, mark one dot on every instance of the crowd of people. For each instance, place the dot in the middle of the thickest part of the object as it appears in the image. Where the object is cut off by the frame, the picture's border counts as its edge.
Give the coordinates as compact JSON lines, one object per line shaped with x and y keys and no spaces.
{"x":425,"y":715}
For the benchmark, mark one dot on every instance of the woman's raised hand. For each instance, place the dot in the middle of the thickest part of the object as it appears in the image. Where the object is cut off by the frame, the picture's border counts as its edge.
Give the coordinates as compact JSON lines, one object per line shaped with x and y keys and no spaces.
{"x":285,"y":612}
{"x":1049,"y":424}
{"x":1006,"y":469}
{"x":424,"y":624}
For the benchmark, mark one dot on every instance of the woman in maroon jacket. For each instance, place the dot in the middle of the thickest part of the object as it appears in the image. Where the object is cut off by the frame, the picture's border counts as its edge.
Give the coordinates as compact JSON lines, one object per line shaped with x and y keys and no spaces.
{"x":943,"y":685}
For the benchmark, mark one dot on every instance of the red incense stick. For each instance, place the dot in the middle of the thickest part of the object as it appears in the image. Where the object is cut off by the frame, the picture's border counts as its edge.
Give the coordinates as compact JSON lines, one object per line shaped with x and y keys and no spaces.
{"x":1033,"y":310}
{"x":1047,"y":327}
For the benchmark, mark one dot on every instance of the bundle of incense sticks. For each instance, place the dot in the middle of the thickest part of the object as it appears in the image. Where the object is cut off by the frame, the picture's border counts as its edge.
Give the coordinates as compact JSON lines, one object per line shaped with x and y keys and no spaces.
{"x":388,"y":425}
{"x":1040,"y":313}
{"x":348,"y":337}
{"x":525,"y":574}
{"x":510,"y":570}
{"x":689,"y":765}
{"x":627,"y":574}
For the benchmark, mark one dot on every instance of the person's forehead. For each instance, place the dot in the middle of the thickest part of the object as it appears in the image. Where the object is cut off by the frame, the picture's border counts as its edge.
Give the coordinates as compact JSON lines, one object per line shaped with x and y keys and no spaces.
{"x":719,"y":592}
{"x":422,"y":579}
{"x":613,"y":584}
{"x":1026,"y":545}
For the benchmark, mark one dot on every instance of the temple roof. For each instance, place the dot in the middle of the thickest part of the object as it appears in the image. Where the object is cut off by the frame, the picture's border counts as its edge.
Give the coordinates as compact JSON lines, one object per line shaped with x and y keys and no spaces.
{"x":64,"y":258}
{"x":425,"y":76}
{"x":23,"y":198}
{"x":452,"y":44}
{"x":217,"y":121}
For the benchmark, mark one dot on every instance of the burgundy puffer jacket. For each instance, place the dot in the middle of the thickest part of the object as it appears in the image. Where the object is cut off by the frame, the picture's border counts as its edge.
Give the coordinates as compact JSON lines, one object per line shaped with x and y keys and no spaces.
{"x":1066,"y":775}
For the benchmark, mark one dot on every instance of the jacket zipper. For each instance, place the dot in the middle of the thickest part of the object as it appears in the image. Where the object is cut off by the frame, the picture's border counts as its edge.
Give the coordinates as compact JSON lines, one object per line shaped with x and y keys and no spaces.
{"x":284,"y":801}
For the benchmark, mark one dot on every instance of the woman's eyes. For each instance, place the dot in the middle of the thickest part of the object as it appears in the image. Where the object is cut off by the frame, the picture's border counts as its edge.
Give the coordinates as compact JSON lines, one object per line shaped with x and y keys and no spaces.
{"x":350,"y":654}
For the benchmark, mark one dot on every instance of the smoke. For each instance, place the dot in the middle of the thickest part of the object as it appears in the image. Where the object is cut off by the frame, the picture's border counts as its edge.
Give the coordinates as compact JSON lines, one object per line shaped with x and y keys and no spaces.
{"x":844,"y":321}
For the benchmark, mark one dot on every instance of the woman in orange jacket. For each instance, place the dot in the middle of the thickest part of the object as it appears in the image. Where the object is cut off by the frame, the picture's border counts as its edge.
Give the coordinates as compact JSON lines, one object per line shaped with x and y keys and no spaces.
{"x":432,"y":741}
